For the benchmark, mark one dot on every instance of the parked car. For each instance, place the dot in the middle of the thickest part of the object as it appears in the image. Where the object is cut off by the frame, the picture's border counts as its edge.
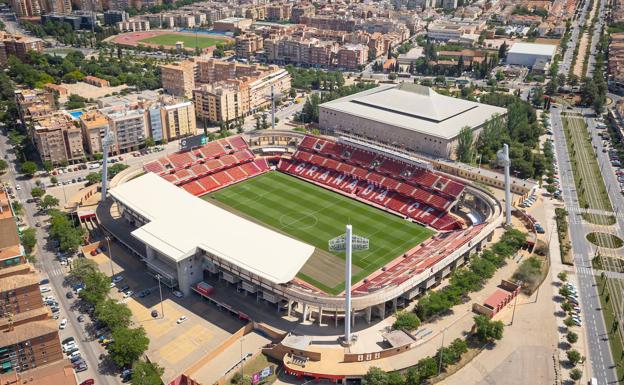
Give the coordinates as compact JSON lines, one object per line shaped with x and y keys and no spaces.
{"x":63,"y":324}
{"x":89,"y":381}
{"x":69,"y":295}
{"x":118,"y":278}
{"x":178,"y":294}
{"x":182,"y":319}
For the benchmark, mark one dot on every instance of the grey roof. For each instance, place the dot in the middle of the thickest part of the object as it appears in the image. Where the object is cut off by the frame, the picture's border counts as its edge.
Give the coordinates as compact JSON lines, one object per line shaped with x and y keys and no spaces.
{"x":533,"y":49}
{"x":415,"y":108}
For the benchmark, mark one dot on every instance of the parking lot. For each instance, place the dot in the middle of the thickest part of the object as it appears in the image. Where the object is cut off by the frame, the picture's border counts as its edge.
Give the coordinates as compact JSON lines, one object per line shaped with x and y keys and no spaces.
{"x":175,"y":346}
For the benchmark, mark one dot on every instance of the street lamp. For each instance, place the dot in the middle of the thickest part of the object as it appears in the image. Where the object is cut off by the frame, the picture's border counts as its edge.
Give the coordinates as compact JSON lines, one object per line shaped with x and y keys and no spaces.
{"x":110,"y":255}
{"x":162,"y":307}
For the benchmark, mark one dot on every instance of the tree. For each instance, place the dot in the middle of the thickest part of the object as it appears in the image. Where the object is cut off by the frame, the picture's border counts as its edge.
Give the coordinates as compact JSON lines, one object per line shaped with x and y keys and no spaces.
{"x":488,"y":330}
{"x":146,"y":373}
{"x":375,"y":376}
{"x":464,"y":145}
{"x":395,"y":378}
{"x":18,"y":208}
{"x":502,"y":51}
{"x":37,"y":192}
{"x":292,"y":93}
{"x":29,"y":239}
{"x":576,"y":374}
{"x":538,"y":97}
{"x":563,"y":276}
{"x":113,"y":314}
{"x":97,"y":286}
{"x":573,"y":356}
{"x":564,"y":291}
{"x":82,"y":267}
{"x":29,"y":168}
{"x":3,"y":166}
{"x":62,"y":229}
{"x":93,"y":178}
{"x":54,"y":180}
{"x":129,"y":345}
{"x":569,"y":322}
{"x":48,"y":202}
{"x":406,"y":320}
{"x":47,"y":165}
{"x":572,"y":337}
{"x":149,"y":142}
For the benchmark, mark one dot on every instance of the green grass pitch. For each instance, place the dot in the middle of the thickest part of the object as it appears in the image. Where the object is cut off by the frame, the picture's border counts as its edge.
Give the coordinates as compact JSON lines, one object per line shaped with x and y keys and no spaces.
{"x":170,"y":39}
{"x":314,"y":215}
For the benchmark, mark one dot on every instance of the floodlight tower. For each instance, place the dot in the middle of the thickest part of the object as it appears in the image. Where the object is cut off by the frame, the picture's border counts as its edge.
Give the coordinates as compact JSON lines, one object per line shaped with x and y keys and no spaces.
{"x":348,"y":242}
{"x":503,"y":160}
{"x":107,"y":141}
{"x":272,"y":107}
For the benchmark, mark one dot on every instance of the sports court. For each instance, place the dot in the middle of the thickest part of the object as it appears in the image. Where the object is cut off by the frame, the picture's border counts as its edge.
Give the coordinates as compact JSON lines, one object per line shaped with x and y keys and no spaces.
{"x":315,"y":215}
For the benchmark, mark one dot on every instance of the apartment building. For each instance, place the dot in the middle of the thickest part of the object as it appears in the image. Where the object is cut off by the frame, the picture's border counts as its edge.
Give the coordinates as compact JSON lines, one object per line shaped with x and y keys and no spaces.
{"x":128,"y":124}
{"x":179,"y":79}
{"x":278,"y":12}
{"x":301,"y":10}
{"x":18,"y":46}
{"x":95,"y":81}
{"x":336,"y":23}
{"x":28,"y":337}
{"x":248,"y":44}
{"x":231,"y":90}
{"x":215,"y":70}
{"x":93,"y":125}
{"x":133,"y":25}
{"x":57,"y":373}
{"x":352,"y":56}
{"x":57,"y":139}
{"x":219,"y":102}
{"x":11,"y":251}
{"x":26,"y":8}
{"x":171,"y":118}
{"x":112,"y":17}
{"x":232,"y":24}
{"x":33,"y":104}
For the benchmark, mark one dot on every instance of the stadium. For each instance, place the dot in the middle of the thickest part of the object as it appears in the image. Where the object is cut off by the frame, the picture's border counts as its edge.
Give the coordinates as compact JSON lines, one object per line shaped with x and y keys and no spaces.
{"x":258,"y":212}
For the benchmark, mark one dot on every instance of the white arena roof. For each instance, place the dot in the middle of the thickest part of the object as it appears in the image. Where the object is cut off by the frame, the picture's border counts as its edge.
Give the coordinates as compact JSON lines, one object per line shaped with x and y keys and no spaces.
{"x":181,"y":223}
{"x":415,"y":108}
{"x":533,"y":49}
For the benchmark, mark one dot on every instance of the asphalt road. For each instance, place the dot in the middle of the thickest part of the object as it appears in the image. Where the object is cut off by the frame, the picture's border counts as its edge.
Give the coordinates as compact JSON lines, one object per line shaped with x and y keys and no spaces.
{"x":599,"y":353}
{"x":48,"y":265}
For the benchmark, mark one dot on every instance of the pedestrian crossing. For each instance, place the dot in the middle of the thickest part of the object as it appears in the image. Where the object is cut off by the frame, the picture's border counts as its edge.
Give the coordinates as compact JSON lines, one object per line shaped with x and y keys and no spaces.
{"x":57,"y":272}
{"x":585,"y":270}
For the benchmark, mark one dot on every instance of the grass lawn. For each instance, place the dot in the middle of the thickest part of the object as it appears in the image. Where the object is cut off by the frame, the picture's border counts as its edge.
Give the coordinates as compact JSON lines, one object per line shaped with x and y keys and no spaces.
{"x":615,"y":342}
{"x":315,"y":215}
{"x":256,"y":365}
{"x":170,"y":39}
{"x":590,"y":187}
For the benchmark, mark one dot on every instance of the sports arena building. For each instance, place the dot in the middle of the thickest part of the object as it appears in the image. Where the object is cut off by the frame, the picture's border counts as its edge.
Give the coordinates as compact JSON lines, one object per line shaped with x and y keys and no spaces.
{"x":185,"y":240}
{"x":410,"y":116}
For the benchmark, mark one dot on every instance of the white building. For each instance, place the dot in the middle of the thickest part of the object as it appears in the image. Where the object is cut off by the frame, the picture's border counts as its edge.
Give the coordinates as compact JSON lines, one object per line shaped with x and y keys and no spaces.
{"x":407,"y":116}
{"x":183,"y":235}
{"x":525,"y":54}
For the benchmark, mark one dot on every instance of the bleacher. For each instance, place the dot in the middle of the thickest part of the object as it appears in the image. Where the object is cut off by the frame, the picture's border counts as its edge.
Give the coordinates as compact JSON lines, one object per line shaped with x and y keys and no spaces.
{"x":413,"y":192}
{"x":417,"y":260}
{"x":210,"y":167}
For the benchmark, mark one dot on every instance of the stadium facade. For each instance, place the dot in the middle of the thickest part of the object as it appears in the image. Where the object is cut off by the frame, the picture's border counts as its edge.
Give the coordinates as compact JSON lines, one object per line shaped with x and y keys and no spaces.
{"x":409,"y":116}
{"x":185,"y":239}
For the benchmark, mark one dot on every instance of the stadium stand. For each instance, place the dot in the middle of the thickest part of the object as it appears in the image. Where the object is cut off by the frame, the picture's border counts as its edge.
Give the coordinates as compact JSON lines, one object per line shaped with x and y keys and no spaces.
{"x":403,"y":188}
{"x":400,"y":187}
{"x":422,"y":257}
{"x":210,"y":167}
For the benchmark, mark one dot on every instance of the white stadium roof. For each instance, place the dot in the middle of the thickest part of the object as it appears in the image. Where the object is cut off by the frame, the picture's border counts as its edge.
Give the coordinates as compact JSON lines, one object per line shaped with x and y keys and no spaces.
{"x":181,"y":223}
{"x":533,"y":49}
{"x":415,"y":108}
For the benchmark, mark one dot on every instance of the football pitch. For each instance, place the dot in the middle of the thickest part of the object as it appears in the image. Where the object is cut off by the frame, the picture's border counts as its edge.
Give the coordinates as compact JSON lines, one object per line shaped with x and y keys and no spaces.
{"x":315,"y":215}
{"x":170,"y":39}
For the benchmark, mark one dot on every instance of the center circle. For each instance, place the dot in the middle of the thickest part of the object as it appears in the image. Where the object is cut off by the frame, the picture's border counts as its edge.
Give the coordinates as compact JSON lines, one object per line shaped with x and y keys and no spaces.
{"x":299,"y":220}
